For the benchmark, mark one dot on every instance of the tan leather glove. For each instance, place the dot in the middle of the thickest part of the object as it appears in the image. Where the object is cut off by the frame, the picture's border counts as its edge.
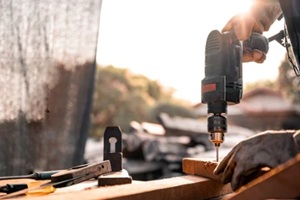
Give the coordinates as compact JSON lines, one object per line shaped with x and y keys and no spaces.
{"x":268,"y":149}
{"x":260,"y":17}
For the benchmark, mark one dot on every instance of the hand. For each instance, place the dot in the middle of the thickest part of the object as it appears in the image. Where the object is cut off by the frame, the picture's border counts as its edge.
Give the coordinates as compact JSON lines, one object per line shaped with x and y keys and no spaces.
{"x":243,"y":25}
{"x":254,"y":55}
{"x":258,"y":19}
{"x":268,"y":149}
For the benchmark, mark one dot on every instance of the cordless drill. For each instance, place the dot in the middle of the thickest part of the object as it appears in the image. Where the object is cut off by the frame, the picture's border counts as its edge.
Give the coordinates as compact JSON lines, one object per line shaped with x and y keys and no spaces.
{"x":223,"y":83}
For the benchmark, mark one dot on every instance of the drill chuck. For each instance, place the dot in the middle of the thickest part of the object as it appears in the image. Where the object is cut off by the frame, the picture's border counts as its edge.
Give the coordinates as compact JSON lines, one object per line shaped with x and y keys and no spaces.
{"x":217,"y":121}
{"x":217,"y":138}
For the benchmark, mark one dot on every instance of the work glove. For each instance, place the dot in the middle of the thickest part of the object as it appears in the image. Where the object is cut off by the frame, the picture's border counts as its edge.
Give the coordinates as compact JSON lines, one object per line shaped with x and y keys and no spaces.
{"x":247,"y":159}
{"x":259,"y":19}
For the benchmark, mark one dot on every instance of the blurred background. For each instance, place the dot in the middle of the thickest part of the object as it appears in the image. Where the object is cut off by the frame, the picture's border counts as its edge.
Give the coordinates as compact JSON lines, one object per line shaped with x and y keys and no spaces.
{"x":159,"y":47}
{"x":69,"y":69}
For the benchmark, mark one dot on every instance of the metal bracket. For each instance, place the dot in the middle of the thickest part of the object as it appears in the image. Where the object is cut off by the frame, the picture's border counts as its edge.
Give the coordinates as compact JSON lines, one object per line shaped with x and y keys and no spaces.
{"x":113,"y":147}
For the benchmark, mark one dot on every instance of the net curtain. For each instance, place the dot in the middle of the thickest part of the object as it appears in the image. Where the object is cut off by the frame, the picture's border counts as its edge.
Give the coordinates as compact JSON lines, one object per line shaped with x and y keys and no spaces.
{"x":47,"y":64}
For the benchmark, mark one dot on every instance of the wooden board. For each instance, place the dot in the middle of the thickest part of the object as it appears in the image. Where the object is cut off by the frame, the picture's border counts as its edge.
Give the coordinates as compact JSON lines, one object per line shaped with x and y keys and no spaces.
{"x":282,"y":182}
{"x":200,"y":167}
{"x":115,"y":178}
{"x":183,"y":187}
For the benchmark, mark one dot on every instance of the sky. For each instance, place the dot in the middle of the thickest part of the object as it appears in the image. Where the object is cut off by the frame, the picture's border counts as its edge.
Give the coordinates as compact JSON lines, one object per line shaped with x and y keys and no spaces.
{"x":165,"y":40}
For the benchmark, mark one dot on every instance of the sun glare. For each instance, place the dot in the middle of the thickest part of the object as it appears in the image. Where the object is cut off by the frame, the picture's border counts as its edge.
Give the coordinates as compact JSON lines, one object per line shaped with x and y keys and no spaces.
{"x":244,"y":5}
{"x":165,"y":39}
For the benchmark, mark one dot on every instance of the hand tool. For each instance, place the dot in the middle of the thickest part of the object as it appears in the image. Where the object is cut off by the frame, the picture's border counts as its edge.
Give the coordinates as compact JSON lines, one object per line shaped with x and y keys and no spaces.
{"x":68,"y":177}
{"x":113,"y":147}
{"x":10,"y":188}
{"x":45,"y":175}
{"x":113,"y":152}
{"x":223,"y":83}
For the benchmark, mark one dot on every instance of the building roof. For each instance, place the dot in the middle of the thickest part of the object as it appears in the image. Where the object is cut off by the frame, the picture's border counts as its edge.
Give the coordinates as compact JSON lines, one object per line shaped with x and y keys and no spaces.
{"x":257,"y":101}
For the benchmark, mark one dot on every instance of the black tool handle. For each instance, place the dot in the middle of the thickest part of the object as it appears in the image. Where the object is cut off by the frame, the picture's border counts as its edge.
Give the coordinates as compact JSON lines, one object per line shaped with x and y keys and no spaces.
{"x":10,"y":188}
{"x":256,"y":41}
{"x":46,"y":175}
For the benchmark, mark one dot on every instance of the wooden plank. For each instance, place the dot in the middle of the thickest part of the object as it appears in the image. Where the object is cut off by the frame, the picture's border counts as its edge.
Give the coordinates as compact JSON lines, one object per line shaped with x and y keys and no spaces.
{"x":283,"y":182}
{"x":200,"y":167}
{"x":115,"y":178}
{"x":183,"y":187}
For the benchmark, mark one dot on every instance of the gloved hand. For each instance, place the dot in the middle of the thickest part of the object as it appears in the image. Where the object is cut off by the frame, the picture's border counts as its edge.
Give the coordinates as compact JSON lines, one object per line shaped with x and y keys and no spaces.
{"x":268,"y":149}
{"x":259,"y":19}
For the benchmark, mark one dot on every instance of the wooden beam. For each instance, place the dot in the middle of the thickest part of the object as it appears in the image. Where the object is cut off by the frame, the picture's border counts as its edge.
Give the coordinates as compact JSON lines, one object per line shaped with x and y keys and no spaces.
{"x":200,"y":167}
{"x":183,"y":187}
{"x":280,"y":183}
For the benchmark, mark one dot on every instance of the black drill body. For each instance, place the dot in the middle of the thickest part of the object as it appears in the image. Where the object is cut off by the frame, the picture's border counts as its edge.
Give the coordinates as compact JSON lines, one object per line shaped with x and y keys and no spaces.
{"x":223,"y":83}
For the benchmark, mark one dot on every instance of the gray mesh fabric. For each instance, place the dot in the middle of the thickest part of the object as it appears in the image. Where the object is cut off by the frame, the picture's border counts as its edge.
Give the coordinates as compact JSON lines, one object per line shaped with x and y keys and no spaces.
{"x":47,"y":63}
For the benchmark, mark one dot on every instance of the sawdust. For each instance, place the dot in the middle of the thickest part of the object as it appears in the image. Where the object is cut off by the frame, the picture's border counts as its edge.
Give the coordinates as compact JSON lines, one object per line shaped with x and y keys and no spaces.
{"x":209,"y":165}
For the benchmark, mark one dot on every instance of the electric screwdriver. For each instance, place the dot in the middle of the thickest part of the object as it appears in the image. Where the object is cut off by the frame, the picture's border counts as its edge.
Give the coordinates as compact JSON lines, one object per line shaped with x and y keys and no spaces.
{"x":223,"y":82}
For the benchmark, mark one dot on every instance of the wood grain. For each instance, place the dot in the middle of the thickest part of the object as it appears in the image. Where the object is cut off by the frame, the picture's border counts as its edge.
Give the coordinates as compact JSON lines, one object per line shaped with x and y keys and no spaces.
{"x":200,"y":167}
{"x":183,"y":187}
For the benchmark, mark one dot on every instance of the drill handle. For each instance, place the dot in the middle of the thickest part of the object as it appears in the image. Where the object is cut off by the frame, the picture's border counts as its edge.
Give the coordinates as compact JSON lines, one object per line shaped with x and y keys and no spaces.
{"x":256,"y":41}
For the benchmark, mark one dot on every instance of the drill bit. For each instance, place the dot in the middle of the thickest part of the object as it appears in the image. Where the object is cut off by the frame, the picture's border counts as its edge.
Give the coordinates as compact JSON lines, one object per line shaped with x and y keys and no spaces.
{"x":217,"y":138}
{"x":217,"y":153}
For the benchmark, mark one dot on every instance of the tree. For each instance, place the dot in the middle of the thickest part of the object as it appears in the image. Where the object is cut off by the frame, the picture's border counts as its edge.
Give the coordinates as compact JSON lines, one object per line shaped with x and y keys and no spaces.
{"x":173,"y":108}
{"x":121,"y":97}
{"x":289,"y":82}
